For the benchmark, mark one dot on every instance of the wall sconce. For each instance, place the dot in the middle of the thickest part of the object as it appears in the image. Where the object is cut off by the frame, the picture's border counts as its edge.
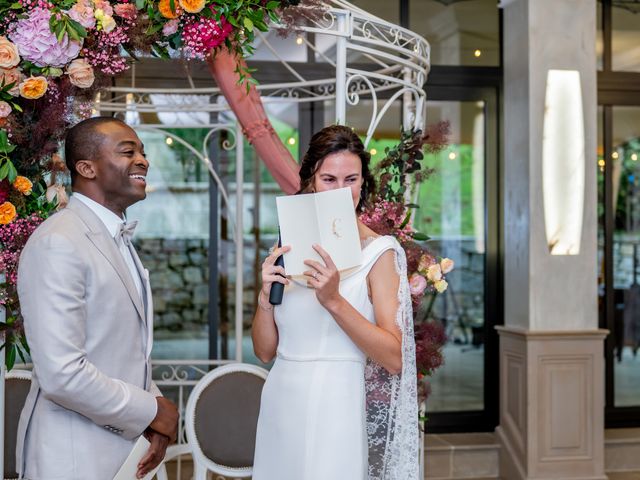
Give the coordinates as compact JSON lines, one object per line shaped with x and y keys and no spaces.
{"x":563,"y":162}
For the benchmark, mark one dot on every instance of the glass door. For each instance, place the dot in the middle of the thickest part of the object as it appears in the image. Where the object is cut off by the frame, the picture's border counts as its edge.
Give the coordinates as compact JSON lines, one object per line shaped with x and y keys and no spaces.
{"x":458,"y":210}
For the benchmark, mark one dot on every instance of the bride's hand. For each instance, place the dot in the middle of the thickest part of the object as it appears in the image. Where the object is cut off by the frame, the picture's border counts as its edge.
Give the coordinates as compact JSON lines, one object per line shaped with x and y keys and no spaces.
{"x":325,"y":279}
{"x":270,"y":271}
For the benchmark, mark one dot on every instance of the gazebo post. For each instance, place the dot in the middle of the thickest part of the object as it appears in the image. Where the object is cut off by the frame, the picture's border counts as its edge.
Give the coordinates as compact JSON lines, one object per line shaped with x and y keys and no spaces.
{"x":239,"y":239}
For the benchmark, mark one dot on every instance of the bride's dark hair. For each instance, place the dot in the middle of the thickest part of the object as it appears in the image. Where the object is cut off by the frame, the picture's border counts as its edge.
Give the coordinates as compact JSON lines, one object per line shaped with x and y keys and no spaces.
{"x":334,"y":139}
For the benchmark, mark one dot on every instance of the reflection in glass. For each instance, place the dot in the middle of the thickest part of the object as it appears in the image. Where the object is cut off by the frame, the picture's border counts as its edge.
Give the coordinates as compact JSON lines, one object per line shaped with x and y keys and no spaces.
{"x":460,"y":33}
{"x":172,"y":239}
{"x":599,"y":36}
{"x":388,"y":10}
{"x":626,"y":253}
{"x":452,"y":206}
{"x":625,"y":37}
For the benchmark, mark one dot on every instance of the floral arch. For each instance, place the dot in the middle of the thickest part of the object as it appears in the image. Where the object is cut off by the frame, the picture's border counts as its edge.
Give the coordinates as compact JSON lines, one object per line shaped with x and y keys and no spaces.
{"x":58,"y":59}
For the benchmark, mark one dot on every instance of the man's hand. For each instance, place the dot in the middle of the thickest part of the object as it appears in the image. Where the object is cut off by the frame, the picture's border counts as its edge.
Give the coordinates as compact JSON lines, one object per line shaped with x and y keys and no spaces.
{"x":166,"y":420}
{"x":155,"y":454}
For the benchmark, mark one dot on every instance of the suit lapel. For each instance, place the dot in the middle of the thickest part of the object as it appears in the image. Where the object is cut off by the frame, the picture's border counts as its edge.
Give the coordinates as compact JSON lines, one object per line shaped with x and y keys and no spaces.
{"x":106,"y":245}
{"x":148,"y":301}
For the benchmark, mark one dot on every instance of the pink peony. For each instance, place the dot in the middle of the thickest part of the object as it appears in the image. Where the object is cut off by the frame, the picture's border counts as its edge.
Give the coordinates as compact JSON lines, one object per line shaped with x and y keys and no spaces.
{"x":82,"y":12}
{"x":417,"y":284}
{"x":39,"y":45}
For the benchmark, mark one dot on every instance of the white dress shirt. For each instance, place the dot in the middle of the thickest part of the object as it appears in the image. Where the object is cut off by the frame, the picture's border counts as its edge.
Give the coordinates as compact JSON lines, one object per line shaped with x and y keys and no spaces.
{"x":112,"y":222}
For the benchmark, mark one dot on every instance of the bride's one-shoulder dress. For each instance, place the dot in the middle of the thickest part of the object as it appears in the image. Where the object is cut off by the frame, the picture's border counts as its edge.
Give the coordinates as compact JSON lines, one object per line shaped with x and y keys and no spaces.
{"x":312,"y":416}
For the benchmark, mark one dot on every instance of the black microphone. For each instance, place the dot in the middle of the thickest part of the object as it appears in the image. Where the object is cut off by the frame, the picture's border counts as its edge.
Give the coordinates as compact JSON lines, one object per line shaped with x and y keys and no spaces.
{"x":277,"y":288}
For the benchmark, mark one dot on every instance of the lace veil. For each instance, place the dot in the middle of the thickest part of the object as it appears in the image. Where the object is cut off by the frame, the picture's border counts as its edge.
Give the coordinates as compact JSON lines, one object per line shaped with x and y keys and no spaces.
{"x":391,"y":400}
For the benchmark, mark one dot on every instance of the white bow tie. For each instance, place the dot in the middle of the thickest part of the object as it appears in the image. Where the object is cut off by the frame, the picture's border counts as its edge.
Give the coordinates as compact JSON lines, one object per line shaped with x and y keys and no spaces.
{"x":125,"y":232}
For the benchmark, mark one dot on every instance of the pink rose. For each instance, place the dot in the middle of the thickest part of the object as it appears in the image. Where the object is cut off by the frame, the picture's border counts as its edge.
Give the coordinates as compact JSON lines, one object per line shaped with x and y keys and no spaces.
{"x":170,"y":27}
{"x":57,"y":193}
{"x":5,"y":109}
{"x":446,"y":265}
{"x":9,"y":56}
{"x":426,"y":261}
{"x":417,"y":284}
{"x":434,"y":273}
{"x":82,"y":12}
{"x":14,"y":76}
{"x":126,"y":10}
{"x":103,"y":5}
{"x":80,"y":73}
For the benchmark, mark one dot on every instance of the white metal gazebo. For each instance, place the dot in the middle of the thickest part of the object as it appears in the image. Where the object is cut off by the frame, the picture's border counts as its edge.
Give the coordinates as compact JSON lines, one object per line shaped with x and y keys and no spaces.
{"x":369,"y":58}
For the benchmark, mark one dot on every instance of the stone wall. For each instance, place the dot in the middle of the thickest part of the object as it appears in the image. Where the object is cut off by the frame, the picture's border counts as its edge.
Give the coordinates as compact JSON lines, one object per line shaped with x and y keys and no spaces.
{"x":179,"y":274}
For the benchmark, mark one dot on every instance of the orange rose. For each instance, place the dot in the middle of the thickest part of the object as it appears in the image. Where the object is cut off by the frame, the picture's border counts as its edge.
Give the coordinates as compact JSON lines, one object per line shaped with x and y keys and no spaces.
{"x":9,"y":56}
{"x":165,"y":9}
{"x":33,"y":87}
{"x":192,"y":6}
{"x":7,"y":213}
{"x":23,"y":185}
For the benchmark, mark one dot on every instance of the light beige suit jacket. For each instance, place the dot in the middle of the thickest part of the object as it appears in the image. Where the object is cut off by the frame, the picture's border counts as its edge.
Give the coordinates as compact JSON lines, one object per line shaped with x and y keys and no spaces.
{"x":90,"y":335}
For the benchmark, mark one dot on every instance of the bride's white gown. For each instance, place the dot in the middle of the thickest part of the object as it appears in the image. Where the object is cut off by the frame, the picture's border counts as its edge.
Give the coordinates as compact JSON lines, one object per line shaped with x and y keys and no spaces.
{"x":312,"y":423}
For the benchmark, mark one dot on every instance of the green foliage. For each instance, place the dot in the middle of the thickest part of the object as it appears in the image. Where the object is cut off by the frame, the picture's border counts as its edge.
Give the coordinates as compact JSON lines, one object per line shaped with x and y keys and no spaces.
{"x":7,"y":169}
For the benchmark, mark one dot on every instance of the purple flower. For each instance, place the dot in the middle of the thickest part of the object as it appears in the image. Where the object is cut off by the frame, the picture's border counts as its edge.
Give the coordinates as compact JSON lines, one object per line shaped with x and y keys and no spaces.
{"x":39,"y":45}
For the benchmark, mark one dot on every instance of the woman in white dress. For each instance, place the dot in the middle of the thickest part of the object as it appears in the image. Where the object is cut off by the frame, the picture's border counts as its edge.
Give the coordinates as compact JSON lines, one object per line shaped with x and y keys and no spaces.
{"x":340,"y":400}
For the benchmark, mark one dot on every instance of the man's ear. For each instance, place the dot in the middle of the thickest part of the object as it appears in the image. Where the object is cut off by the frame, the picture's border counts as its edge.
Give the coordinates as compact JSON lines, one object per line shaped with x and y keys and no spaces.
{"x":86,"y":169}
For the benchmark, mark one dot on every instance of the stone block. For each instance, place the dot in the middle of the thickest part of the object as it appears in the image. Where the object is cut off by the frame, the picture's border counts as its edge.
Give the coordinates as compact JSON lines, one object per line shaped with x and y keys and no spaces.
{"x":197,"y":258}
{"x":201,"y":295}
{"x":192,"y":275}
{"x":175,"y":279}
{"x":178,"y":259}
{"x":171,"y":320}
{"x":191,"y":315}
{"x":159,"y":279}
{"x":173,"y":245}
{"x":179,"y":298}
{"x":159,"y":304}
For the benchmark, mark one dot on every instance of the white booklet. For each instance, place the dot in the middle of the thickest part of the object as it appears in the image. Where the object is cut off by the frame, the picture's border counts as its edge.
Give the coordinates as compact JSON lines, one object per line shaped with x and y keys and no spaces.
{"x":327,"y":219}
{"x":130,"y":466}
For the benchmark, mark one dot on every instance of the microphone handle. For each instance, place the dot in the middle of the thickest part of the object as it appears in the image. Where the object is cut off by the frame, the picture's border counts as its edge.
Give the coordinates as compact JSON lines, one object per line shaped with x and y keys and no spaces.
{"x":277,"y":288}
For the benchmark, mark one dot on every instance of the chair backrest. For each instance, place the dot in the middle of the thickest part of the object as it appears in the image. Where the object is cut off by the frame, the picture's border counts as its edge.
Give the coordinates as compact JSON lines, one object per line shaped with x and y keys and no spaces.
{"x":222,"y":416}
{"x":16,"y":387}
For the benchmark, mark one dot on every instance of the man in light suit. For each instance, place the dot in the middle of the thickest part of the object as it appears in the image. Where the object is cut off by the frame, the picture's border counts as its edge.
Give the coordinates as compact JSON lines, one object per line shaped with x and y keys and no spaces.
{"x":87,"y":309}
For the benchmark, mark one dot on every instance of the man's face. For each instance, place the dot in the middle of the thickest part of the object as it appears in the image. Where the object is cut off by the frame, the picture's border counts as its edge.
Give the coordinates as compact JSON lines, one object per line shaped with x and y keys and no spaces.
{"x":120,"y":166}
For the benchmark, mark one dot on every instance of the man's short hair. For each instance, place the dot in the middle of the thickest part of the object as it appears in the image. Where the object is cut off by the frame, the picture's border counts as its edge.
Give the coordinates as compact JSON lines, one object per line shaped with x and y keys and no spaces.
{"x":82,"y":141}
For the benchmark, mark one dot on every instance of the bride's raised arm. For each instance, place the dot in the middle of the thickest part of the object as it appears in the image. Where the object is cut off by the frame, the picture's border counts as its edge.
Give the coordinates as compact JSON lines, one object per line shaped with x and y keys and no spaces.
{"x":382,"y":341}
